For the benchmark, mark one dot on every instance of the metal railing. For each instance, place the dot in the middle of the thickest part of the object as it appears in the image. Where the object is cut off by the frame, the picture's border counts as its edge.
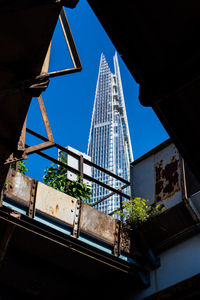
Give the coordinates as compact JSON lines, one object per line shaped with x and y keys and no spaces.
{"x":80,"y":172}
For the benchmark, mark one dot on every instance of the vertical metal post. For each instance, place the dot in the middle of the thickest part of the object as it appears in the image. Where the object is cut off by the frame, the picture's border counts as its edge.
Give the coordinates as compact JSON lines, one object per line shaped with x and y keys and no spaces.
{"x":75,"y":231}
{"x":81,"y":168}
{"x":21,"y":143}
{"x":31,"y":209}
{"x":116,"y":248}
{"x":121,"y":205}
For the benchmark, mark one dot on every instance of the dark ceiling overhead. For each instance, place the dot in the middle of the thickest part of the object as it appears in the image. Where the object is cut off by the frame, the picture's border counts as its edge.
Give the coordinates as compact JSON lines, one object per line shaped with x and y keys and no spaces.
{"x":26,"y":29}
{"x":159,"y":42}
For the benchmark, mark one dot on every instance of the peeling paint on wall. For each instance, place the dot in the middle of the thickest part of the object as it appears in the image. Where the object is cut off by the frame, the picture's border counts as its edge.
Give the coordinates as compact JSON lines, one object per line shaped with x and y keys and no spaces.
{"x":167,"y":178}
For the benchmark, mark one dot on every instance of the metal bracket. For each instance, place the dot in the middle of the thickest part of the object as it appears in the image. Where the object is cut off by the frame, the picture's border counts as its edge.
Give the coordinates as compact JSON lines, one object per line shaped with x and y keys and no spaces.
{"x":38,"y":86}
{"x":116,"y":248}
{"x":75,"y":231}
{"x":31,"y":209}
{"x":16,"y":156}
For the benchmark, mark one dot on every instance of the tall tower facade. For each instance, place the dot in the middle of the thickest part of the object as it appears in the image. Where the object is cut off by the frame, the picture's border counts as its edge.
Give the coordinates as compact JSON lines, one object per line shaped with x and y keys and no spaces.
{"x":109,"y":142}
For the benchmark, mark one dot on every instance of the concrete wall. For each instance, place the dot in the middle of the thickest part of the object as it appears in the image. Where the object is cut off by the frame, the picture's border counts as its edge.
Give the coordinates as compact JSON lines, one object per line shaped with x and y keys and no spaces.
{"x":157,"y":176}
{"x":177,"y":264}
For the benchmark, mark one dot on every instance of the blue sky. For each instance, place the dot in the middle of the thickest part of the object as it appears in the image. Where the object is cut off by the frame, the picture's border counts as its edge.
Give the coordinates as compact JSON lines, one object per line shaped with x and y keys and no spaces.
{"x":69,"y":99}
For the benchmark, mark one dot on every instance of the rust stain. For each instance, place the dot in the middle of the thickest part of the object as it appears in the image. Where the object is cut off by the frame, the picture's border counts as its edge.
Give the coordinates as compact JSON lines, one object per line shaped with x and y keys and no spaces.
{"x":167,"y":179}
{"x":51,"y":210}
{"x":57,"y":208}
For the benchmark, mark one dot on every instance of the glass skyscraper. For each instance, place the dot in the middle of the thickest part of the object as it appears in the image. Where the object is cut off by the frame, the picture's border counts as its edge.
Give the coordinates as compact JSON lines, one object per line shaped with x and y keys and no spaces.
{"x":109,"y":142}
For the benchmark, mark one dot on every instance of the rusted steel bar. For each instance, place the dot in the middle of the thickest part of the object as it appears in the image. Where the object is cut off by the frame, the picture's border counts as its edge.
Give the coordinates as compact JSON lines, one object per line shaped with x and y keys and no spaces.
{"x":37,"y":148}
{"x":86,"y":161}
{"x":69,"y":39}
{"x":45,"y":119}
{"x":106,"y":171}
{"x":48,"y":142}
{"x":108,"y":196}
{"x":114,"y":211}
{"x":63,"y":72}
{"x":87,"y":177}
{"x":56,"y":145}
{"x":45,"y":67}
{"x":121,"y":205}
{"x":36,"y":134}
{"x":21,"y":143}
{"x":71,"y":46}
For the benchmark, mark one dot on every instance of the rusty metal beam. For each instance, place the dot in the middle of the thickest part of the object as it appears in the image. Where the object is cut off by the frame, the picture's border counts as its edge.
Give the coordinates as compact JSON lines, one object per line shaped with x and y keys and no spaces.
{"x":85,"y":176}
{"x":45,"y":67}
{"x":21,"y":143}
{"x":108,"y":196}
{"x":50,"y":141}
{"x":86,"y":161}
{"x":39,"y":147}
{"x":45,"y":119}
{"x":71,"y":46}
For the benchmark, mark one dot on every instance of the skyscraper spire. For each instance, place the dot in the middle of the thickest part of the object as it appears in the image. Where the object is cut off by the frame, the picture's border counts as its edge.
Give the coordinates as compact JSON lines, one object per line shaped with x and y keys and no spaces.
{"x":109,"y":142}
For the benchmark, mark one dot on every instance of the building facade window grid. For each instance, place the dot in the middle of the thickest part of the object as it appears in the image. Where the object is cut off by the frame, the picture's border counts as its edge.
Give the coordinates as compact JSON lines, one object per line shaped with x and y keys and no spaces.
{"x":109,"y":141}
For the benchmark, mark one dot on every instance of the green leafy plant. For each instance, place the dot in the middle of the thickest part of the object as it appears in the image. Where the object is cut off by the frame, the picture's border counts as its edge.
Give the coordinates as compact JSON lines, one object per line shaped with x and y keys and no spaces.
{"x":55,"y":177}
{"x":137,"y":211}
{"x":21,"y":166}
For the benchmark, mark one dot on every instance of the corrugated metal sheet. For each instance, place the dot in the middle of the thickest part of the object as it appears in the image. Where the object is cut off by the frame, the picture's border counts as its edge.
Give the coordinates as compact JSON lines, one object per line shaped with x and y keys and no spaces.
{"x":55,"y":203}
